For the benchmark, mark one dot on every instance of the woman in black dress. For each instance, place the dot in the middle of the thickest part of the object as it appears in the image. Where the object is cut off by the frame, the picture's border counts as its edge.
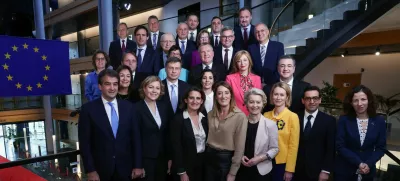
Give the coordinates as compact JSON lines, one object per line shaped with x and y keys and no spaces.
{"x":125,"y":80}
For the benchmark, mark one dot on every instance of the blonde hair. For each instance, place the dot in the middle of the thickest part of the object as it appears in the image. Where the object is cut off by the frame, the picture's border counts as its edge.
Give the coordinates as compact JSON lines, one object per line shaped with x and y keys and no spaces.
{"x":237,"y":57}
{"x":149,"y":80}
{"x":285,"y":87}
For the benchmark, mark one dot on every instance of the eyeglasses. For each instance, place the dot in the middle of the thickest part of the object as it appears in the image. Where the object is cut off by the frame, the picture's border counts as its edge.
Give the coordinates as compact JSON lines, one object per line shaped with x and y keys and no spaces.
{"x":315,"y":99}
{"x":102,"y":58}
{"x":167,"y":42}
{"x":225,"y":37}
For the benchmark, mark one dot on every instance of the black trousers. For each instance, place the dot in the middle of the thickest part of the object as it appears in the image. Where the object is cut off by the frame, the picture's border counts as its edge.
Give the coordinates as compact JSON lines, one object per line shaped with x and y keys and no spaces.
{"x":218,"y":164}
{"x":196,"y":172}
{"x":301,"y":174}
{"x":251,"y":173}
{"x":155,"y":169}
{"x":117,"y":177}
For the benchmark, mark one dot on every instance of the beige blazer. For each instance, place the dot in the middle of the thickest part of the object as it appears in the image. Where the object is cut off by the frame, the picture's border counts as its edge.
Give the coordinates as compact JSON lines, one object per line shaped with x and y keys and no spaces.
{"x":266,"y":143}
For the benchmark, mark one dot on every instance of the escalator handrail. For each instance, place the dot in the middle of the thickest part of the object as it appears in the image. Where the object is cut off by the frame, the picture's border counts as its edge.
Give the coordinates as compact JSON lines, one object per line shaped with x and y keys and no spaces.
{"x":280,"y":14}
{"x":393,"y":157}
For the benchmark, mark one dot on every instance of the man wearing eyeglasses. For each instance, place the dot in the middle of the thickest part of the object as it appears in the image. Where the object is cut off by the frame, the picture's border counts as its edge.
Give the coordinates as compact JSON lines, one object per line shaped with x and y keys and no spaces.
{"x":167,"y":41}
{"x":316,"y":152}
{"x":225,"y":53}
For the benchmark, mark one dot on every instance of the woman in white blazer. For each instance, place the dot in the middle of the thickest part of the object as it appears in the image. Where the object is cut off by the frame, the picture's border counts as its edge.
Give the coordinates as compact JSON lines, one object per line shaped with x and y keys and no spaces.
{"x":261,"y":140}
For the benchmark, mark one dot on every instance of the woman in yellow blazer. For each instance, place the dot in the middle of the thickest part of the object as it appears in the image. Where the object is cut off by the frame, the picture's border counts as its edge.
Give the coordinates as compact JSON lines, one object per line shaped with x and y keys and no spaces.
{"x":288,"y":132}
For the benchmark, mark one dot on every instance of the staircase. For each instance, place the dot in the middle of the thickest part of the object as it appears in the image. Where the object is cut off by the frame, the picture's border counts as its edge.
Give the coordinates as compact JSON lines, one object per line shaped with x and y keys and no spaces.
{"x":310,"y":42}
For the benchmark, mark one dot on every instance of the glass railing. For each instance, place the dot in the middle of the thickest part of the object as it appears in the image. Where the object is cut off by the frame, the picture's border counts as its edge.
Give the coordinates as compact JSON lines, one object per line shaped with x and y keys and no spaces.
{"x":24,"y":102}
{"x":388,"y":167}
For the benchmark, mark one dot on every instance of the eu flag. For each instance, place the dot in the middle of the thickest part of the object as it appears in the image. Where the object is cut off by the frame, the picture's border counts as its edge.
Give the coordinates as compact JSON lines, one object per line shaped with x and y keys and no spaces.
{"x":31,"y":67}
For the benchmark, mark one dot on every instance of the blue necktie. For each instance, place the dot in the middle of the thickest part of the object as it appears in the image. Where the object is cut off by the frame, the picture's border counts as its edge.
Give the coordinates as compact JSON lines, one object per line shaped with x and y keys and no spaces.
{"x":154,"y":41}
{"x":139,"y":59}
{"x":165,"y":58}
{"x":114,"y":119}
{"x":174,"y":98}
{"x":183,"y":46}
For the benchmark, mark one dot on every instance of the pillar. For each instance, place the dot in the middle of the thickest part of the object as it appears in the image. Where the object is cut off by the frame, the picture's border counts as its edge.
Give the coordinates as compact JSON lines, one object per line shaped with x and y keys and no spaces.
{"x":105,"y":23}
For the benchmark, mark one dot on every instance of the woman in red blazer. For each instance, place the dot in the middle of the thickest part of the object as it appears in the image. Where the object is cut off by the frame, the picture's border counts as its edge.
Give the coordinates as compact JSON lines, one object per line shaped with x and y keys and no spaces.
{"x":241,"y":79}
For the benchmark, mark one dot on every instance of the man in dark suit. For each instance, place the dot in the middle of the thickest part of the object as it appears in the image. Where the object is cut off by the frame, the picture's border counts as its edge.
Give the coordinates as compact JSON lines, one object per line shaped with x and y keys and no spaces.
{"x":174,"y":88}
{"x":244,"y":33}
{"x":192,"y":20}
{"x":167,"y":41}
{"x":129,"y":59}
{"x":286,"y":68}
{"x":216,"y":27}
{"x":118,"y":47}
{"x":207,"y":55}
{"x":148,"y":59}
{"x":225,"y":53}
{"x":315,"y":158}
{"x":187,"y":46}
{"x":108,"y":132}
{"x":265,"y":55}
{"x":155,"y":34}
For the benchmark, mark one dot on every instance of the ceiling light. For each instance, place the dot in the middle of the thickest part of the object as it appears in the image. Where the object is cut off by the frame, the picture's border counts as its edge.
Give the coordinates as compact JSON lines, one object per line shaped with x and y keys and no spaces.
{"x":310,"y":16}
{"x":378,"y":51}
{"x":345,"y":53}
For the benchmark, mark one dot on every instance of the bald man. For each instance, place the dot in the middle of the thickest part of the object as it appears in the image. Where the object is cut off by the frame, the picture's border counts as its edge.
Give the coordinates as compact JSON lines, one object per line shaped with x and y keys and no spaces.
{"x":167,"y":40}
{"x":187,"y":46}
{"x":265,"y":55}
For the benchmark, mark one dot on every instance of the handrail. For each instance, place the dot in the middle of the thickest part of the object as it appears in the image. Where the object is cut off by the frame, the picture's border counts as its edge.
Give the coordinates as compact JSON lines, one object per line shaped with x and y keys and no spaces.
{"x":390,"y":155}
{"x":39,"y":159}
{"x":280,"y":14}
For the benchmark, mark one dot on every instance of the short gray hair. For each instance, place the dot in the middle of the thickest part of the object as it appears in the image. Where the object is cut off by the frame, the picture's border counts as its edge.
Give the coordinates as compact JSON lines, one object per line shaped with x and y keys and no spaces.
{"x":255,"y":91}
{"x":166,"y":34}
{"x":227,"y":28}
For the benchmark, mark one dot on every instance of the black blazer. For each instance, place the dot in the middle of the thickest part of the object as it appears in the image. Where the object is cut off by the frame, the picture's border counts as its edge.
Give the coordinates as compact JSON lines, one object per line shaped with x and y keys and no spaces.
{"x":100,"y":150}
{"x":317,"y":152}
{"x":116,"y":53}
{"x":195,"y":73}
{"x":239,"y":42}
{"x":297,"y":93}
{"x":219,"y":57}
{"x":154,"y":138}
{"x":182,"y":88}
{"x":150,"y":43}
{"x":212,"y":41}
{"x":184,"y":144}
{"x":137,"y":81}
{"x":187,"y":55}
{"x":150,"y":64}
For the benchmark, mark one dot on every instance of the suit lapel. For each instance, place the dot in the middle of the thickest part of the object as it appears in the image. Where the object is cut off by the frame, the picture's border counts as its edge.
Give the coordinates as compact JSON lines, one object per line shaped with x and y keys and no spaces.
{"x":189,"y":129}
{"x":148,"y":113}
{"x":237,"y":77}
{"x":121,"y":116}
{"x":162,"y":117}
{"x":167,"y":98}
{"x":102,"y":120}
{"x":301,"y":119}
{"x":118,"y":43}
{"x":260,"y":138}
{"x":370,"y":129}
{"x":354,"y":129}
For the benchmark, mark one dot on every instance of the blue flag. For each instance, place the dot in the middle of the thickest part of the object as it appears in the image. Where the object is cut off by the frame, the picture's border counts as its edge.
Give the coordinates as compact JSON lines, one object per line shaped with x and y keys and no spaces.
{"x":32,"y":67}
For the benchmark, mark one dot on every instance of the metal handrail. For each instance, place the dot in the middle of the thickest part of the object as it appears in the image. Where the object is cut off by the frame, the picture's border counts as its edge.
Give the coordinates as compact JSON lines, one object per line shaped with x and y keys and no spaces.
{"x":280,"y":14}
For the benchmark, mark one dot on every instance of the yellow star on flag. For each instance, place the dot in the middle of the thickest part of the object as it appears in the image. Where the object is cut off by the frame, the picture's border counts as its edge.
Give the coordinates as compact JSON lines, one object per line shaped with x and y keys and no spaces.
{"x":45,"y":78}
{"x":29,"y":88}
{"x":9,"y":77}
{"x":8,"y":56}
{"x":47,"y":67}
{"x":39,"y":85}
{"x":36,"y":49}
{"x":44,"y":57}
{"x":18,"y":85}
{"x":25,"y":46}
{"x":15,"y":48}
{"x":5,"y":66}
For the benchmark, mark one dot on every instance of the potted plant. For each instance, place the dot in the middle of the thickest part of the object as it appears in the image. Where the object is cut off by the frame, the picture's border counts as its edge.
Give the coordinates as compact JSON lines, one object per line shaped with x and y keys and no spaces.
{"x":331,"y":104}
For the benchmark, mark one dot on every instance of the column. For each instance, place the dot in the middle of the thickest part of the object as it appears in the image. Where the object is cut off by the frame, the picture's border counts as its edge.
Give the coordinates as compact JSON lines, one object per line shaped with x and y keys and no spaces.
{"x":40,"y":34}
{"x":105,"y":24}
{"x":241,"y":3}
{"x":81,"y":44}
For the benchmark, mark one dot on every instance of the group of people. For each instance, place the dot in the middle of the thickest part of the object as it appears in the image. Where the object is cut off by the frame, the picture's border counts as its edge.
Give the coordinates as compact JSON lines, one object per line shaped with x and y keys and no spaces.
{"x":219,"y":106}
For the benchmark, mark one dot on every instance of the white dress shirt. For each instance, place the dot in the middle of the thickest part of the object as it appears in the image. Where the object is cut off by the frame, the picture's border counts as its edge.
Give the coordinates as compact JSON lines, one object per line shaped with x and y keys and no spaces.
{"x":248,"y":31}
{"x":175,"y":88}
{"x":306,"y":114}
{"x":142,"y":52}
{"x":156,"y":115}
{"x":204,"y":66}
{"x":290,"y":83}
{"x":199,"y":134}
{"x":133,"y":76}
{"x":208,"y":104}
{"x":108,"y":108}
{"x":266,"y":47}
{"x":152,"y":36}
{"x":120,"y":42}
{"x":230,"y":52}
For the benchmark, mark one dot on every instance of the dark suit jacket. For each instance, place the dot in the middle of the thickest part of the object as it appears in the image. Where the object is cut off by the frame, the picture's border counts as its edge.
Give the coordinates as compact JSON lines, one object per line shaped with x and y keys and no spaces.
{"x":184,"y":143}
{"x":297,"y":93}
{"x":219,"y":57}
{"x":239,"y":42}
{"x":212,"y":41}
{"x":102,"y":152}
{"x":195,"y":73}
{"x":137,"y":81}
{"x":269,"y":71}
{"x":350,"y":153}
{"x":150,"y":63}
{"x":317,"y":152}
{"x":187,"y":56}
{"x":154,"y":138}
{"x":182,"y":88}
{"x":150,"y":43}
{"x":116,"y":53}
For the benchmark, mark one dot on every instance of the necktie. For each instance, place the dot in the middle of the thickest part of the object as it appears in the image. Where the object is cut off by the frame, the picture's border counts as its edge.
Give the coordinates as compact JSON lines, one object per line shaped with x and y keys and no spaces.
{"x":207,"y":67}
{"x":165,"y":58}
{"x":174,"y":98}
{"x":114,"y":119}
{"x":245,"y":37}
{"x":307,"y":129}
{"x":263,"y":51}
{"x":192,"y":36}
{"x":123,"y":48}
{"x":154,"y":41}
{"x":226,"y":58}
{"x":183,"y":46}
{"x":140,"y":59}
{"x":216,"y":41}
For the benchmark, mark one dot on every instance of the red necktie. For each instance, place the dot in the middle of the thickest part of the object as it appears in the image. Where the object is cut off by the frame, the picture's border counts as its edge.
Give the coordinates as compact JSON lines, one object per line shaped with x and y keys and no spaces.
{"x":245,"y":37}
{"x":123,"y":48}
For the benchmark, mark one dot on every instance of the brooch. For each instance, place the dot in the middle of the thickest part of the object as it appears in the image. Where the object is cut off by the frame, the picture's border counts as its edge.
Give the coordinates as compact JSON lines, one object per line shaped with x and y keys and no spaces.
{"x":280,"y":124}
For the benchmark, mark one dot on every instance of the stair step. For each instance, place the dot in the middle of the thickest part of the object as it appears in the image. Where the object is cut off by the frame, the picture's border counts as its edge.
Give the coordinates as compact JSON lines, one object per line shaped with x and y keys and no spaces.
{"x":324,"y":34}
{"x":351,"y":15}
{"x":313,"y":42}
{"x":337,"y":24}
